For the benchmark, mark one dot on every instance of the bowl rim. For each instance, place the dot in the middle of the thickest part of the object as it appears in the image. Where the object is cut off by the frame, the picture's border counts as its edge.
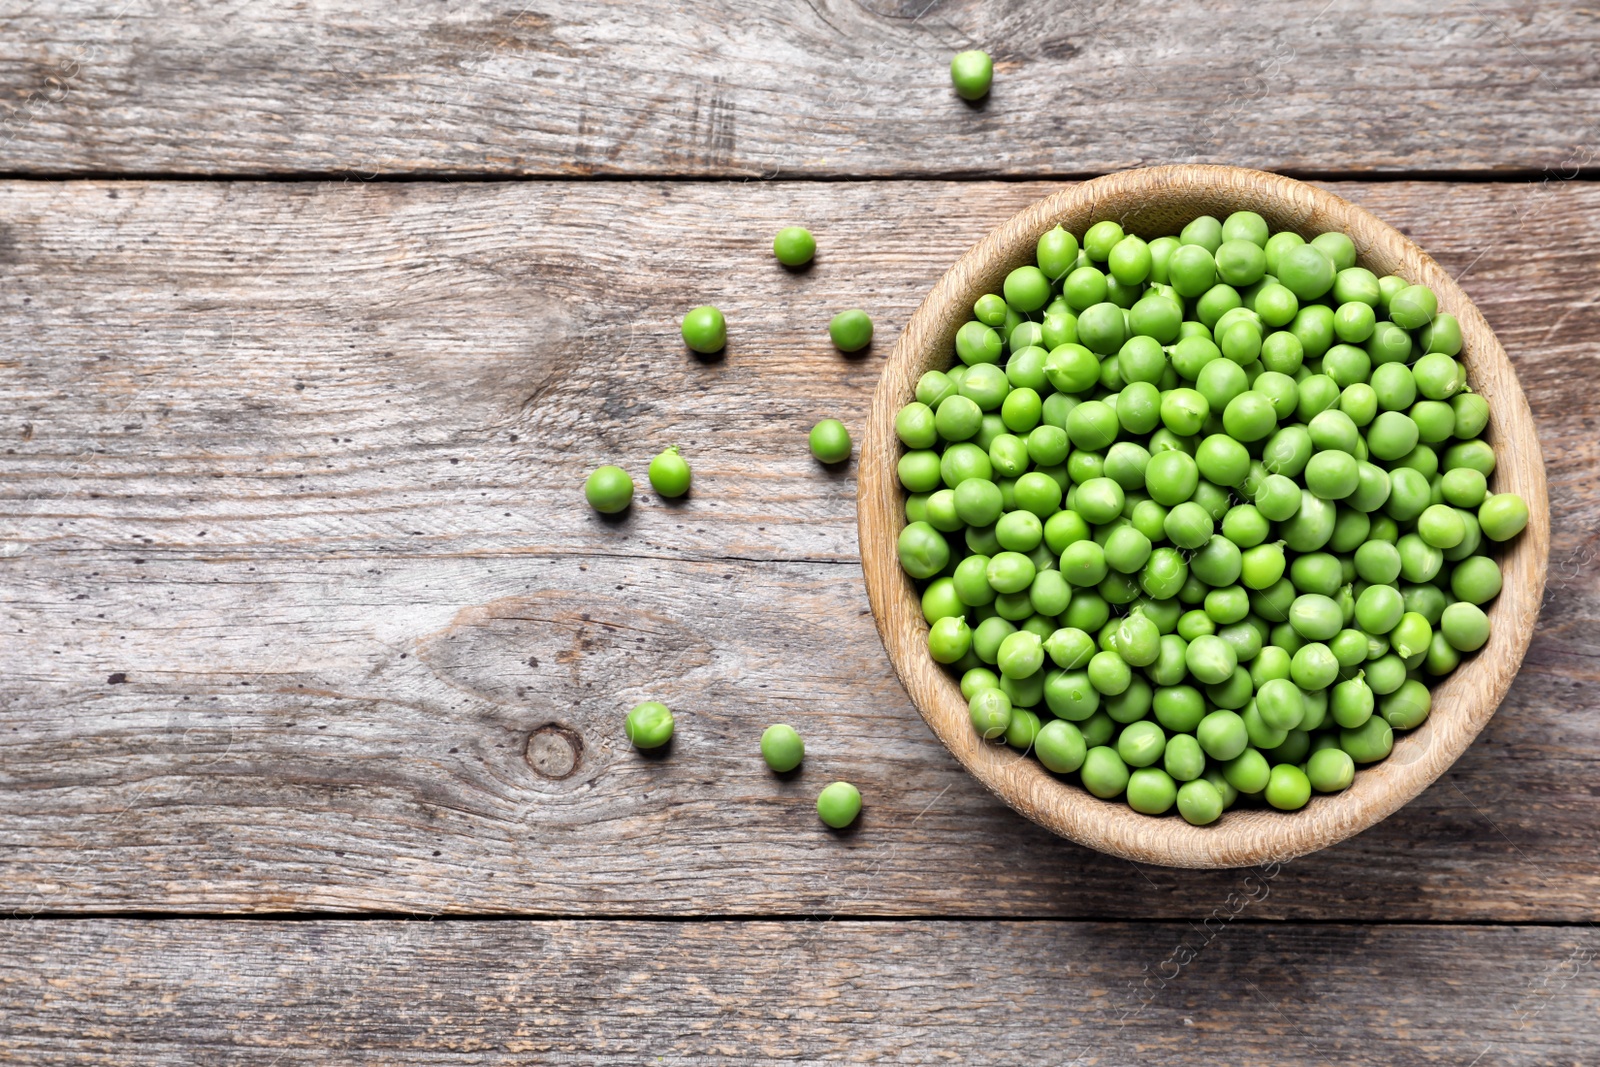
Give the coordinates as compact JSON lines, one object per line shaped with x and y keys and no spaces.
{"x":1143,"y":199}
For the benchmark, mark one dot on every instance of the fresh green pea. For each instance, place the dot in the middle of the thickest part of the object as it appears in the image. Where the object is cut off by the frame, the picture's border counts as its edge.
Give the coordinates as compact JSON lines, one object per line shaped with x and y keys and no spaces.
{"x":1476,"y":580}
{"x":649,"y":725}
{"x":1411,"y":635}
{"x":839,"y":803}
{"x":1465,"y":626}
{"x":1060,"y":746}
{"x":1199,"y":802}
{"x":971,"y":73}
{"x":949,"y":639}
{"x":704,"y":330}
{"x":923,"y":551}
{"x":1109,"y":673}
{"x":608,"y":490}
{"x":990,"y":711}
{"x":1407,"y":707}
{"x":782,"y":747}
{"x":1151,"y":791}
{"x":1370,"y":742}
{"x":1103,"y":772}
{"x":1502,"y":516}
{"x":1330,"y":770}
{"x":1247,"y":772}
{"x":1288,"y":788}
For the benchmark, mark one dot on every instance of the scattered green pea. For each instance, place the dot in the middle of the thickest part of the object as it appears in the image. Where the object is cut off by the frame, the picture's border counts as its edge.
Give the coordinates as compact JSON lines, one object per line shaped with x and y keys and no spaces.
{"x":669,"y":473}
{"x":794,"y":246}
{"x":649,"y":725}
{"x":830,"y":441}
{"x":971,"y":72}
{"x":851,"y":330}
{"x":705,"y":330}
{"x":782,"y":747}
{"x":838,"y":804}
{"x":608,"y":490}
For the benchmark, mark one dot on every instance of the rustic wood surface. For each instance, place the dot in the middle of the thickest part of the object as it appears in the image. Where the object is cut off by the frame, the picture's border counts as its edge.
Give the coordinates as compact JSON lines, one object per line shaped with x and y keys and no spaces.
{"x":1156,"y":201}
{"x":1232,"y":991}
{"x":305,"y":611}
{"x":746,"y":88}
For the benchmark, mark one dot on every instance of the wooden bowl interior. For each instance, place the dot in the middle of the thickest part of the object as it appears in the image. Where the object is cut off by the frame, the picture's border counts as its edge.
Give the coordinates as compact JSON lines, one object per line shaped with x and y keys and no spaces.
{"x":1155,"y":202}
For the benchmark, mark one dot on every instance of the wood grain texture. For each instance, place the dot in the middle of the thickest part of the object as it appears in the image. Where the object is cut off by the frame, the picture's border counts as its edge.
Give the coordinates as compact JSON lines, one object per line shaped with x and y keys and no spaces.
{"x":793,"y":87}
{"x":1155,"y":202}
{"x":120,"y":992}
{"x":296,"y":563}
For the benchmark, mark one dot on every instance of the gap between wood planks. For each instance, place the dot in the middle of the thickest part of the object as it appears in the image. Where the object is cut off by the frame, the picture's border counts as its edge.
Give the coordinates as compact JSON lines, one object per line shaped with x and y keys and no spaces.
{"x":1473,"y":176}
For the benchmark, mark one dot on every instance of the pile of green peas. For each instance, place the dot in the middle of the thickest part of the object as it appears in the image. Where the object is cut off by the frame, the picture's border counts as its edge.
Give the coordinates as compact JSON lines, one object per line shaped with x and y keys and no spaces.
{"x":1200,"y":519}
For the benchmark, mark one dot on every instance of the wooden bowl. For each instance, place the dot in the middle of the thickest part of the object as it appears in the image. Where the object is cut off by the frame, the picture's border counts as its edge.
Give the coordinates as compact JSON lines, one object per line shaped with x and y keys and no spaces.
{"x":1153,"y":202}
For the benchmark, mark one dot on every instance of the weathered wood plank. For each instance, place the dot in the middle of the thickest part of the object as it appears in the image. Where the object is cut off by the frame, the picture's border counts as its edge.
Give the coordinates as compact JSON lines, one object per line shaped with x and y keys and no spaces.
{"x":280,"y":648}
{"x":102,"y":992}
{"x":781,"y":87}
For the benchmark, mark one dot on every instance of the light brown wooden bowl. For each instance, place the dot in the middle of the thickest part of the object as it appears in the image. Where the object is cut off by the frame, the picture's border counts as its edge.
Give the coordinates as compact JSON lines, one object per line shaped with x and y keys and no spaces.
{"x":1151,"y":203}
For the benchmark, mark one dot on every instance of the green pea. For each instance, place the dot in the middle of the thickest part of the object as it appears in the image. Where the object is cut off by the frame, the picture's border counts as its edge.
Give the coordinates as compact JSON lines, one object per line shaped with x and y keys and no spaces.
{"x":1129,"y":260}
{"x":1407,"y":707}
{"x":1183,"y":759}
{"x":1109,"y":673}
{"x":1330,"y":770}
{"x":1476,"y":580}
{"x":940,"y":600}
{"x":1351,"y":702}
{"x":977,"y":679}
{"x":1288,"y":788}
{"x":839,"y":804}
{"x":1103,"y":772}
{"x":1247,"y":772}
{"x":1313,"y":666}
{"x":1151,"y":791}
{"x":1024,"y":728}
{"x":1141,"y":743}
{"x":830,"y":441}
{"x":1388,"y":344}
{"x":851,"y":330}
{"x":1502,"y":516}
{"x":1222,"y":734}
{"x":978,"y":344}
{"x":1472,"y":414}
{"x":1056,"y":253}
{"x":971,"y":73}
{"x":990,"y":711}
{"x":1199,"y":802}
{"x":1097,"y":729}
{"x":1411,"y":635}
{"x":608,"y":490}
{"x":1465,"y":626}
{"x":1192,"y":270}
{"x":1020,"y":655}
{"x":1356,"y":285}
{"x":923,"y":551}
{"x":1373,"y":740}
{"x":1305,"y":271}
{"x":949,"y":639}
{"x":1413,"y":307}
{"x":1439,"y":377}
{"x":794,"y":246}
{"x":649,"y":725}
{"x":1060,"y":746}
{"x":1070,"y":695}
{"x":782,"y":747}
{"x":705,"y":330}
{"x":1280,"y":704}
{"x":1393,"y":387}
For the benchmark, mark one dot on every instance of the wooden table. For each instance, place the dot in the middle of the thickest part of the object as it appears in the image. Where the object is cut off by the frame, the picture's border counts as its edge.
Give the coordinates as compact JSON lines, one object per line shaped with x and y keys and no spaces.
{"x":316,"y":318}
